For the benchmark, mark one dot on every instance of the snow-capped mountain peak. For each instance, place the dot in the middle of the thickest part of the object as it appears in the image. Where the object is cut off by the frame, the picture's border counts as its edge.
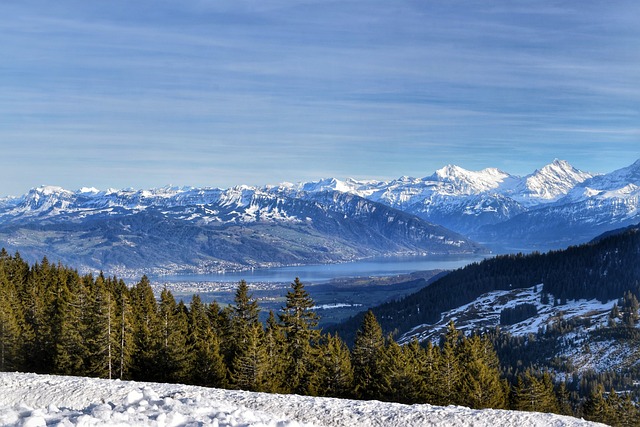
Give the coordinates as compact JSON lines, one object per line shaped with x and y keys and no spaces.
{"x":331,"y":184}
{"x":45,"y":197}
{"x":609,"y":184}
{"x":552,"y":181}
{"x":463,"y":181}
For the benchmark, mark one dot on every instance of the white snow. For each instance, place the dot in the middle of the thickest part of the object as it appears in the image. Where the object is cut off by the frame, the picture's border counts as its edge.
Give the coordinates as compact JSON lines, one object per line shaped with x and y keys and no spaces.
{"x":484,"y":313}
{"x":44,"y":400}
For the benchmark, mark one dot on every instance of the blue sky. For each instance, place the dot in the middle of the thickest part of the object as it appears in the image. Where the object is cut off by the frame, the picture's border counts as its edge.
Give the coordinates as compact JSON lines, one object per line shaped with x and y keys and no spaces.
{"x":216,"y":93}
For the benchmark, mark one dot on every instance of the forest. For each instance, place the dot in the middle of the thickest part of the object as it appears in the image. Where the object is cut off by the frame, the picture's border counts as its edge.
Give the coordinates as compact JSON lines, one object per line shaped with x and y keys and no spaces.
{"x":604,"y":269}
{"x":55,"y":320}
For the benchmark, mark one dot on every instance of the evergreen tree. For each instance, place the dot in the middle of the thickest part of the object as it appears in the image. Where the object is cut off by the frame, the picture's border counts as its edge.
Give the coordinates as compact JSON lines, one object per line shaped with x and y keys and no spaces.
{"x":480,"y":385}
{"x":250,"y":361}
{"x":630,"y":308}
{"x":534,"y":394}
{"x":275,"y":347}
{"x":449,"y":369}
{"x":146,"y":332}
{"x":420,"y":362}
{"x":124,"y":330}
{"x":38,"y":295}
{"x":615,"y":313}
{"x":627,"y":414}
{"x":247,"y":358}
{"x":430,"y":370}
{"x":67,"y":311}
{"x":299,"y":322}
{"x":245,"y":312}
{"x":11,"y":325}
{"x":596,"y":407}
{"x":335,"y":375}
{"x":207,"y":367}
{"x":100,"y":337}
{"x":173,"y":354}
{"x":564,"y":400}
{"x":399,"y":376}
{"x":367,"y":351}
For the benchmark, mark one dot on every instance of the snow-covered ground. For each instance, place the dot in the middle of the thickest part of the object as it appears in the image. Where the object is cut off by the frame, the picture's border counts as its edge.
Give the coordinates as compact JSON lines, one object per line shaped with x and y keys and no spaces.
{"x":484,"y":313}
{"x":31,"y":400}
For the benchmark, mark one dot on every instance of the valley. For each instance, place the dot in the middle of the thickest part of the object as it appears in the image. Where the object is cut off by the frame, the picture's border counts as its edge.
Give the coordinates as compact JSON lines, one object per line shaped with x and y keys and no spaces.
{"x":335,"y":300}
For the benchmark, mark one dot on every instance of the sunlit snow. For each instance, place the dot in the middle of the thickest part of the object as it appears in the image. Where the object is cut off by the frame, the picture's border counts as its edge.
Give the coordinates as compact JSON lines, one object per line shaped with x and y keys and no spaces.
{"x":42,"y":400}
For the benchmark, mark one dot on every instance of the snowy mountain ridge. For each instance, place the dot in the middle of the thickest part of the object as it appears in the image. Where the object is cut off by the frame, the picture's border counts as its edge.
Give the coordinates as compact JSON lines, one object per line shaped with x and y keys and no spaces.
{"x":542,"y":186}
{"x":555,"y":206}
{"x":551,"y":208}
{"x":204,"y":230}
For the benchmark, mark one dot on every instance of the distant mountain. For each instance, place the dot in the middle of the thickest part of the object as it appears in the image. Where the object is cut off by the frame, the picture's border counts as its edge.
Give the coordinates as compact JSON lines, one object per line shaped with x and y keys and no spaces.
{"x":589,"y":208}
{"x":552,"y":208}
{"x":208,"y":229}
{"x":172,"y":230}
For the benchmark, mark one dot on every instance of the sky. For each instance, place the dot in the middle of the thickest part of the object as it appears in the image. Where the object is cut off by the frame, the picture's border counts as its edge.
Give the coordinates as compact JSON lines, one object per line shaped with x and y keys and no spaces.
{"x":215,"y":93}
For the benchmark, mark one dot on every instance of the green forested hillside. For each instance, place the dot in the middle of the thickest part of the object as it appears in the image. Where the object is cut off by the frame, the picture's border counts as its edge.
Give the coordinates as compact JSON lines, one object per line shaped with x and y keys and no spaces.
{"x":603,"y":270}
{"x":53,"y":320}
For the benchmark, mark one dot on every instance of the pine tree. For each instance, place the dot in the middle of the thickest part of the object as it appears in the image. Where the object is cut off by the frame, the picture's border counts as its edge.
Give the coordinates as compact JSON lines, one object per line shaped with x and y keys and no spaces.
{"x":630,"y":309}
{"x":420,"y":362}
{"x":614,"y":315}
{"x":535,"y":394}
{"x":275,"y":347}
{"x":245,"y":312}
{"x":100,"y":330}
{"x":366,"y":353}
{"x":480,"y":385}
{"x":564,"y":400}
{"x":628,"y":414}
{"x":11,"y":321}
{"x":299,"y":322}
{"x":207,"y":367}
{"x":250,"y":361}
{"x":399,"y":377}
{"x":449,"y":369}
{"x":596,"y":407}
{"x":247,"y":358}
{"x":335,"y":376}
{"x":173,"y":353}
{"x":430,"y":370}
{"x":67,"y":313}
{"x":146,"y":330}
{"x":124,"y":330}
{"x":39,"y":298}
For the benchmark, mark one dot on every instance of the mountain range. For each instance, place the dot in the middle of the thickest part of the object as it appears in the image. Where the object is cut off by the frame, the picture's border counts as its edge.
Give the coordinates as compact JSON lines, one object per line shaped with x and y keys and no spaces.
{"x":551,"y":208}
{"x":174,"y":230}
{"x":186,"y":229}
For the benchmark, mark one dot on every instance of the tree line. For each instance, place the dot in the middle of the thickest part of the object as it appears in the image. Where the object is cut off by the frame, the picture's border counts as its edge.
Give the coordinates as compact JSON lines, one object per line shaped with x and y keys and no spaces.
{"x":55,"y":321}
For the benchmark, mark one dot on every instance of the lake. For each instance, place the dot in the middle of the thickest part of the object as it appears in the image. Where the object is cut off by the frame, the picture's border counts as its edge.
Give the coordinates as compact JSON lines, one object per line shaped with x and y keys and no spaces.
{"x":384,"y":266}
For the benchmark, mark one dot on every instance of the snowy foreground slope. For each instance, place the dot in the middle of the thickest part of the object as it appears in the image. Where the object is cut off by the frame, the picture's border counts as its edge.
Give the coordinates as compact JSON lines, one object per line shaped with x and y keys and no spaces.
{"x":31,"y":400}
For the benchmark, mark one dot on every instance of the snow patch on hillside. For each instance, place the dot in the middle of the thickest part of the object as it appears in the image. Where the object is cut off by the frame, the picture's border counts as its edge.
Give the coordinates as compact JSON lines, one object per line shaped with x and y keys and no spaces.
{"x":484,"y":313}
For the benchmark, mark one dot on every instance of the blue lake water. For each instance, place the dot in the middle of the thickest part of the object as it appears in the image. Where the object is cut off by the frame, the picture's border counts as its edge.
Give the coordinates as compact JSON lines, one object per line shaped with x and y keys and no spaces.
{"x":387,"y":266}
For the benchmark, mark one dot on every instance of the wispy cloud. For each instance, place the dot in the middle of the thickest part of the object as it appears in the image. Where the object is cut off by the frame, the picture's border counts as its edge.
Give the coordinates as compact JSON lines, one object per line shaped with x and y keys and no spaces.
{"x":221,"y":93}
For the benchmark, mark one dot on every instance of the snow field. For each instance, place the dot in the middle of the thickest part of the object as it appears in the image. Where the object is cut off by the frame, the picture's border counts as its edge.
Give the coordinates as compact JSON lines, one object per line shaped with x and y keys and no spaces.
{"x":30,"y":400}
